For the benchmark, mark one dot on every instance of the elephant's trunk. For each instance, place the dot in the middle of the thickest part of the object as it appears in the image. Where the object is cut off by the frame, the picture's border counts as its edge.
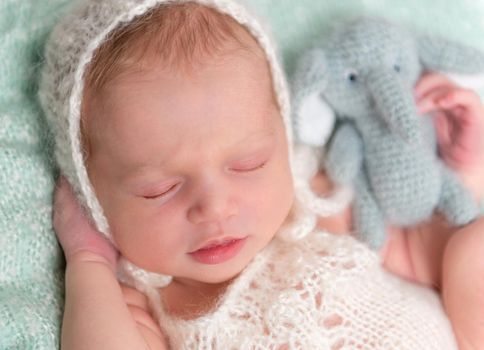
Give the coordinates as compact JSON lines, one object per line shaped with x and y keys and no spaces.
{"x":395,"y":104}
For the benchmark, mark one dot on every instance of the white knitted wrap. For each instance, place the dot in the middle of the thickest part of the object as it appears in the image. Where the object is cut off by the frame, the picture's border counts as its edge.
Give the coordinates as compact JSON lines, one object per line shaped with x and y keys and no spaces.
{"x":322,"y":292}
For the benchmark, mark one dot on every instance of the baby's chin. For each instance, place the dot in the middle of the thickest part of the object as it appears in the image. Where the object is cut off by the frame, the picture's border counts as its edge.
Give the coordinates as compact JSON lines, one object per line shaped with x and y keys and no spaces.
{"x":219,"y":276}
{"x":219,"y":280}
{"x":207,"y":280}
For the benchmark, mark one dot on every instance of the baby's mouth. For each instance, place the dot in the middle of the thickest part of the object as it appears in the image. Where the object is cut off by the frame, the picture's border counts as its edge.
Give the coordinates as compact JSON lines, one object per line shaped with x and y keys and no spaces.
{"x":221,"y":243}
{"x":218,"y":242}
{"x":218,"y":251}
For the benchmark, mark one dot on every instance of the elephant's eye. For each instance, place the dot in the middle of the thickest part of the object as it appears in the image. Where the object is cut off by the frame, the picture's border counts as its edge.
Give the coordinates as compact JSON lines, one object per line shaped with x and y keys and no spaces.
{"x":397,"y":68}
{"x":352,"y":76}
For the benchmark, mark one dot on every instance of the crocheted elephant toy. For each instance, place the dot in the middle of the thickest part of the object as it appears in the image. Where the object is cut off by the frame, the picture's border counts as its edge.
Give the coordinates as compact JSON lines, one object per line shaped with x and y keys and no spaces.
{"x":380,"y":146}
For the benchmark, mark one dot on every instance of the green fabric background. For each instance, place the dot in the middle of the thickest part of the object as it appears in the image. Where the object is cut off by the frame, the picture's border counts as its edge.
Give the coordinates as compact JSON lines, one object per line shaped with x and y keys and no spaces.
{"x":31,"y":264}
{"x":296,"y":23}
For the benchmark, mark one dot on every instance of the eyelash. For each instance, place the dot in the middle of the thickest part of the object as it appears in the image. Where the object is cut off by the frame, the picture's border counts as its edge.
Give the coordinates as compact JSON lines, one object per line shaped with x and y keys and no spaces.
{"x":171,"y":188}
{"x":164,"y":193}
{"x":250,"y":169}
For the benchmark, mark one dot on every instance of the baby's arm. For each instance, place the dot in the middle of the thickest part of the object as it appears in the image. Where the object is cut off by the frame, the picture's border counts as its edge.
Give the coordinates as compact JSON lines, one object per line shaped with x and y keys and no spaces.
{"x":459,"y":121}
{"x":463,"y":284}
{"x":458,"y":113}
{"x":434,"y":253}
{"x":99,"y":313}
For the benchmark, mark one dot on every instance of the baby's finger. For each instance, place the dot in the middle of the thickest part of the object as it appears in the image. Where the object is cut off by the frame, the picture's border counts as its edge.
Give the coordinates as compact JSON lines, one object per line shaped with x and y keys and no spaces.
{"x":59,"y":192}
{"x":463,"y":98}
{"x":429,"y":82}
{"x":428,"y":103}
{"x":443,"y":128}
{"x":68,"y":214}
{"x":74,"y":230}
{"x":63,"y":203}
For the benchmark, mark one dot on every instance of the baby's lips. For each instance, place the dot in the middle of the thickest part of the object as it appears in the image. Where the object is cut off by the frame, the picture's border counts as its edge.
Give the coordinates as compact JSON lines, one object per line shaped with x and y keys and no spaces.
{"x":215,"y":242}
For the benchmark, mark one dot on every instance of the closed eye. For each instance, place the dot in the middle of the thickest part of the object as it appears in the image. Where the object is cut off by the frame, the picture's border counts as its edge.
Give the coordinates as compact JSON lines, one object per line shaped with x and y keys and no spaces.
{"x":249,"y":167}
{"x":164,"y":193}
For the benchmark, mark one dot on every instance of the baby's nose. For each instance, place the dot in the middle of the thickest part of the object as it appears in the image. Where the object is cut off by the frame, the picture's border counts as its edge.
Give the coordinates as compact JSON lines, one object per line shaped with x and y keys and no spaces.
{"x":212,"y":208}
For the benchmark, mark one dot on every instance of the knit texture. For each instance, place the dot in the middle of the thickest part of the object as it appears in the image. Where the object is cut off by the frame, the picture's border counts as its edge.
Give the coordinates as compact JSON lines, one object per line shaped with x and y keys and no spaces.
{"x":31,"y":266}
{"x":31,"y":286}
{"x":325,"y":292}
{"x":366,"y":70}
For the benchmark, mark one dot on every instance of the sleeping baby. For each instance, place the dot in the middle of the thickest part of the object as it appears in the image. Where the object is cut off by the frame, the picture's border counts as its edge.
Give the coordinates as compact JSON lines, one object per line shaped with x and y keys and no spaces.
{"x":178,"y":215}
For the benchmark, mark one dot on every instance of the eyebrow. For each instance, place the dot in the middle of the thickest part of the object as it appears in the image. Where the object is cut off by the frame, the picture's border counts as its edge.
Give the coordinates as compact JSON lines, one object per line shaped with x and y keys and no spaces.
{"x":259,"y":137}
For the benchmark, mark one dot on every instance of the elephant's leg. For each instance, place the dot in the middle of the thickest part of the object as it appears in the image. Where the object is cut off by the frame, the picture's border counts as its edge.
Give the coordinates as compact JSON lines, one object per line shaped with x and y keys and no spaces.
{"x":367,"y":216}
{"x":456,"y":202}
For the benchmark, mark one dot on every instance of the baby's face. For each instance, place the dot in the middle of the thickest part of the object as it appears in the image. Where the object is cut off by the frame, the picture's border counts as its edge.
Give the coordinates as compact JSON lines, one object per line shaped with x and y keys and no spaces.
{"x":191,"y":169}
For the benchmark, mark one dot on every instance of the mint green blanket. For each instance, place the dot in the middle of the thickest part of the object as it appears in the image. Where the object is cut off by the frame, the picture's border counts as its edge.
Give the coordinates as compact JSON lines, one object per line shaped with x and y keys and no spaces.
{"x":31,"y":264}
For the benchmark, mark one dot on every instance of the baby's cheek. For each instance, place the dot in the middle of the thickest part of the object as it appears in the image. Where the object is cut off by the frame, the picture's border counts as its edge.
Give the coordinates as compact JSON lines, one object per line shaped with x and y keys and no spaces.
{"x":271,"y":200}
{"x":132,"y":231}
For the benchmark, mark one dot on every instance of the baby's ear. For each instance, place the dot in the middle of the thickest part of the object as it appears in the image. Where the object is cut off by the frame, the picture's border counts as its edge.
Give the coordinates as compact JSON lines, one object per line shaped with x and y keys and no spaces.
{"x":438,"y":54}
{"x":313,"y":118}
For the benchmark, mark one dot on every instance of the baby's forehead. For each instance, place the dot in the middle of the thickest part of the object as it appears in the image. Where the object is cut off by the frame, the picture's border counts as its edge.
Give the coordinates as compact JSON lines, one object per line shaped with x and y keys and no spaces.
{"x":149,"y":123}
{"x":237,"y":89}
{"x":235,"y":71}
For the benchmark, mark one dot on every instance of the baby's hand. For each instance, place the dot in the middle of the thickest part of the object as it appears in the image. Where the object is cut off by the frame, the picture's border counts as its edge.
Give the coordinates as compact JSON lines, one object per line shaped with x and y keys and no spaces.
{"x":74,"y":231}
{"x":459,"y":121}
{"x":97,"y":307}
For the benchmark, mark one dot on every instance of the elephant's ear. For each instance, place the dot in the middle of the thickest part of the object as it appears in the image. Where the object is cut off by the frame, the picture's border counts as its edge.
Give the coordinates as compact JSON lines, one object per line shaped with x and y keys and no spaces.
{"x":313,"y":119}
{"x":442,"y":55}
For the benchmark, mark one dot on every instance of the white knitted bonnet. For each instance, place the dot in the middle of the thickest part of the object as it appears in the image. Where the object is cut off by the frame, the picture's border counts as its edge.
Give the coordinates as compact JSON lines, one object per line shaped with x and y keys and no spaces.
{"x":68,"y":53}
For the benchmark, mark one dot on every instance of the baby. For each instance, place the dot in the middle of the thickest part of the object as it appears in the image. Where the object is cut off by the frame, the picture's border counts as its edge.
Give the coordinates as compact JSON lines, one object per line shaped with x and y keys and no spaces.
{"x":172,"y":126}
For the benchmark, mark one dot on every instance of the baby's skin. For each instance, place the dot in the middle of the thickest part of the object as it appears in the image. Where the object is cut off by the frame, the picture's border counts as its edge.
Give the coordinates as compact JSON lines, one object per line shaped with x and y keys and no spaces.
{"x":452,"y":260}
{"x":93,"y":295}
{"x":446,"y":258}
{"x":435,"y":254}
